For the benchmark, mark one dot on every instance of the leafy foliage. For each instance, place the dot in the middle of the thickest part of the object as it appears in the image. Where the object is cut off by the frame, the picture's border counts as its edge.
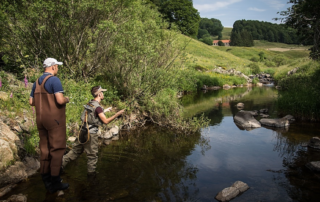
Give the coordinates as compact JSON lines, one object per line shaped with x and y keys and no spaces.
{"x":213,"y":26}
{"x":266,"y":31}
{"x":242,"y":38}
{"x":182,"y":13}
{"x":304,"y":16}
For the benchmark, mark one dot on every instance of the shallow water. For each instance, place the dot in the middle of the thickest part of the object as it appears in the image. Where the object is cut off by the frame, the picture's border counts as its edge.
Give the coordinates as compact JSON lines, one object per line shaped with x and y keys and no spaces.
{"x":155,"y":164}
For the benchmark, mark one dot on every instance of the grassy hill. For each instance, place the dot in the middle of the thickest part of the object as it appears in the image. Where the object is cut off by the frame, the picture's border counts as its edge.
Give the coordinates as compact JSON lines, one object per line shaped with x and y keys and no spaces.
{"x":279,"y":58}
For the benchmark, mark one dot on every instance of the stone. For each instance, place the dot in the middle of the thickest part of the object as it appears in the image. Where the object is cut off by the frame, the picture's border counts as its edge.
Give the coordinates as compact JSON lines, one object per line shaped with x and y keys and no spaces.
{"x":264,"y":115}
{"x":314,"y":143}
{"x":8,"y":147}
{"x":263,"y":111}
{"x":72,"y":139}
{"x":240,"y":105}
{"x":213,"y":88}
{"x":241,"y":186}
{"x":226,"y":86}
{"x":32,"y":165}
{"x":227,"y":194}
{"x":107,"y":135}
{"x":259,"y":84}
{"x":13,"y":174}
{"x":17,"y":198}
{"x":60,"y":193}
{"x":290,"y":118}
{"x":314,"y":166}
{"x":6,"y":189}
{"x":245,"y":119}
{"x":116,"y":137}
{"x":4,"y":96}
{"x":279,"y":123}
{"x":107,"y":142}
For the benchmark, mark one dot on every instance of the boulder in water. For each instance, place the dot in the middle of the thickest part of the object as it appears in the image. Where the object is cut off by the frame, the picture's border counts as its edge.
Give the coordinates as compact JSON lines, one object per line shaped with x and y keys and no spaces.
{"x":245,"y":119}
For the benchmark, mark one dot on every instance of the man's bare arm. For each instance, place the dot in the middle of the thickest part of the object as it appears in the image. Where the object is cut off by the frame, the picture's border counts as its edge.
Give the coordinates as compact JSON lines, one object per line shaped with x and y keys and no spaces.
{"x":61,"y":99}
{"x":31,"y":101}
{"x":106,"y":120}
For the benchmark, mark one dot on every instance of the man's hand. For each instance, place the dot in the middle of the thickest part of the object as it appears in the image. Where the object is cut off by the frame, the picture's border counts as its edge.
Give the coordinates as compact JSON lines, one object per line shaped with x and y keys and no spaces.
{"x":120,"y":112}
{"x":107,"y":110}
{"x":61,"y":99}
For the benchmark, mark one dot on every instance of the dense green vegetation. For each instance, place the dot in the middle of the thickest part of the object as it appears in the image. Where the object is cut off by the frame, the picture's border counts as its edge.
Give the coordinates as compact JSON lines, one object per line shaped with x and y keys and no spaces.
{"x":304,"y":16}
{"x":260,"y":30}
{"x":209,"y":28}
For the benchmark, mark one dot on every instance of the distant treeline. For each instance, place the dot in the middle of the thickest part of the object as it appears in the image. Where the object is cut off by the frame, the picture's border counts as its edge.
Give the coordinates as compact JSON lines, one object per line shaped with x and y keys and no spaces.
{"x":260,"y":30}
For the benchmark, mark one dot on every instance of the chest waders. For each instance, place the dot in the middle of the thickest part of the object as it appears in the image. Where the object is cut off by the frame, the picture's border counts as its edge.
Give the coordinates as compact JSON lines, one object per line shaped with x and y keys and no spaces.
{"x":51,"y":124}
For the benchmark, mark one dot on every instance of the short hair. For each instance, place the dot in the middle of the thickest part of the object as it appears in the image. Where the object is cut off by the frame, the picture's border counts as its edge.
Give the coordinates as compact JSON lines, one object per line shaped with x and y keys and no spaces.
{"x":94,"y":89}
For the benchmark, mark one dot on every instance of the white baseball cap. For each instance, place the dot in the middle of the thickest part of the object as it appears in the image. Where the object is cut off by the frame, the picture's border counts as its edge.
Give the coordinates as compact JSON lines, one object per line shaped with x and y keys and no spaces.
{"x":50,"y":62}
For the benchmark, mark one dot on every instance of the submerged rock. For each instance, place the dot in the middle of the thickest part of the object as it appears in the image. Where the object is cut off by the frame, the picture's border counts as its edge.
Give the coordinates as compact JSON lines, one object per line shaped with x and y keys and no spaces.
{"x":17,"y":198}
{"x":279,"y":123}
{"x":314,"y":166}
{"x":227,"y":194}
{"x":245,"y":119}
{"x":290,"y":118}
{"x":231,"y":192}
{"x":314,"y":143}
{"x":6,"y":189}
{"x":240,"y":105}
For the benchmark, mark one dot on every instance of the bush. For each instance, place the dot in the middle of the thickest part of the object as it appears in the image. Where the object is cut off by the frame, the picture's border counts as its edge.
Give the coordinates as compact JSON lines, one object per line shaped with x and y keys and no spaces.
{"x":269,"y":63}
{"x":280,"y":60}
{"x":207,"y":40}
{"x":254,"y":59}
{"x":220,"y":43}
{"x":255,"y":69}
{"x":269,"y":71}
{"x":201,"y":68}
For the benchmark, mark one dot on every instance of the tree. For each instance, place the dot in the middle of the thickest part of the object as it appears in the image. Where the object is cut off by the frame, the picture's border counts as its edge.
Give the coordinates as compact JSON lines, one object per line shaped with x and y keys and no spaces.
{"x":213,"y":26}
{"x":183,"y":14}
{"x":202,"y":32}
{"x":220,"y":43}
{"x":304,"y":16}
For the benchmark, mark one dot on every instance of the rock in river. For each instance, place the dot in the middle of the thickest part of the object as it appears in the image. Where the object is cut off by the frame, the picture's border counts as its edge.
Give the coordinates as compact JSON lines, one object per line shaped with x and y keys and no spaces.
{"x":314,"y":166}
{"x":245,"y":119}
{"x":279,"y":123}
{"x":231,"y":192}
{"x":314,"y":143}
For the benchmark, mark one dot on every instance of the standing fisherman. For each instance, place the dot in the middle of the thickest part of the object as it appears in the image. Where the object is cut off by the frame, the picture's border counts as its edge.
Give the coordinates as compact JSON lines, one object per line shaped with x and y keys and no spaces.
{"x":47,"y":96}
{"x":95,"y":118}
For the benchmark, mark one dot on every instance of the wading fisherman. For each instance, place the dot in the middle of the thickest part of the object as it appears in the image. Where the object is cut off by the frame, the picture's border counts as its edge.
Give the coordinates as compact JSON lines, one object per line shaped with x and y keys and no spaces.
{"x":95,"y":118}
{"x":50,"y":103}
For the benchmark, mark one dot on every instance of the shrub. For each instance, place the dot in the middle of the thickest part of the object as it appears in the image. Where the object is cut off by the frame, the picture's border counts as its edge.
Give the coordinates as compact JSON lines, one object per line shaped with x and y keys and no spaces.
{"x":269,"y":63}
{"x":201,"y":68}
{"x":269,"y":71}
{"x":254,"y":59}
{"x":255,"y":69}
{"x":220,"y":43}
{"x":280,"y":60}
{"x":207,"y":40}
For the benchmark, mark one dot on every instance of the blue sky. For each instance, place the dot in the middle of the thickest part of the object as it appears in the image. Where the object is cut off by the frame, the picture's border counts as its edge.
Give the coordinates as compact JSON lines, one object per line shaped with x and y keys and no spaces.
{"x":228,"y":11}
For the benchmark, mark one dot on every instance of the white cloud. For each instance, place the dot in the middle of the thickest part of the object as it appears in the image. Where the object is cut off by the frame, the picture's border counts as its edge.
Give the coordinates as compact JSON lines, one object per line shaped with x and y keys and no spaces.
{"x":276,"y":4}
{"x":256,"y":9}
{"x":214,"y":6}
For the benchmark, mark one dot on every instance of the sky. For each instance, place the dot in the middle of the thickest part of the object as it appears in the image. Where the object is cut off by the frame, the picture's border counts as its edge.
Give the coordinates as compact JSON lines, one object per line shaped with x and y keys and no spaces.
{"x":229,"y":11}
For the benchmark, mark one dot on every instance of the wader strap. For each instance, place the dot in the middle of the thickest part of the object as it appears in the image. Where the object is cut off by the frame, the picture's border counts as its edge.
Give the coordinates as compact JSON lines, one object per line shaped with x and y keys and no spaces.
{"x":84,"y":121}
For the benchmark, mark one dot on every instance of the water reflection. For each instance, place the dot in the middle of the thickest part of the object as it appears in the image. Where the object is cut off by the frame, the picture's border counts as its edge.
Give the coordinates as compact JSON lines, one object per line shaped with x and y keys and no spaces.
{"x":155,"y":164}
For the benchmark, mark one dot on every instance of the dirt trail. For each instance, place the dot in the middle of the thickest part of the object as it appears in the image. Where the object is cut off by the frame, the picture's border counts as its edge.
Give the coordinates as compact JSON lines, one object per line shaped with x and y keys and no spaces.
{"x":285,"y":49}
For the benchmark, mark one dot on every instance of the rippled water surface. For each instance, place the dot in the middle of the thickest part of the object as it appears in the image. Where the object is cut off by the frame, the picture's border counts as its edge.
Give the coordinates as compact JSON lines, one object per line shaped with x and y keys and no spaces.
{"x":155,"y":164}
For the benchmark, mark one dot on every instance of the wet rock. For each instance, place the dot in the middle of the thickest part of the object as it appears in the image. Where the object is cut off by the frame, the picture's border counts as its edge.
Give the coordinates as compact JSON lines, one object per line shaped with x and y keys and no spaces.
{"x":314,"y":143}
{"x":19,"y":171}
{"x":240,"y":105}
{"x":231,"y":192}
{"x":264,"y":115}
{"x":6,"y":189}
{"x":17,"y":198}
{"x":245,"y":119}
{"x":253,"y":113}
{"x":116,"y":137}
{"x":314,"y":166}
{"x":265,"y":111}
{"x":213,"y":88}
{"x":259,"y":84}
{"x":111,"y":133}
{"x":60,"y":193}
{"x":227,"y":194}
{"x":290,"y":118}
{"x":13,"y":174}
{"x":32,"y":165}
{"x":4,"y":96}
{"x":278,"y":123}
{"x":241,"y":186}
{"x":226,"y":86}
{"x":304,"y":144}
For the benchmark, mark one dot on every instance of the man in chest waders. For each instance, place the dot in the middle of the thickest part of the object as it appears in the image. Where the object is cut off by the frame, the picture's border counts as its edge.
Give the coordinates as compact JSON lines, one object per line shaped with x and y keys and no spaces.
{"x":95,"y":118}
{"x":47,"y":97}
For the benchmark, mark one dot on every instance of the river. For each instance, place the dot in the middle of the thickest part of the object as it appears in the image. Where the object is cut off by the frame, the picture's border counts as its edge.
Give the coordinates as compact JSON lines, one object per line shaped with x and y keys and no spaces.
{"x":154,"y":164}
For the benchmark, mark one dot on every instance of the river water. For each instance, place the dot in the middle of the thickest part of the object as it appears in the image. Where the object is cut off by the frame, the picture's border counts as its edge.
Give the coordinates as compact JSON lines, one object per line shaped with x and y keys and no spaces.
{"x":155,"y":164}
